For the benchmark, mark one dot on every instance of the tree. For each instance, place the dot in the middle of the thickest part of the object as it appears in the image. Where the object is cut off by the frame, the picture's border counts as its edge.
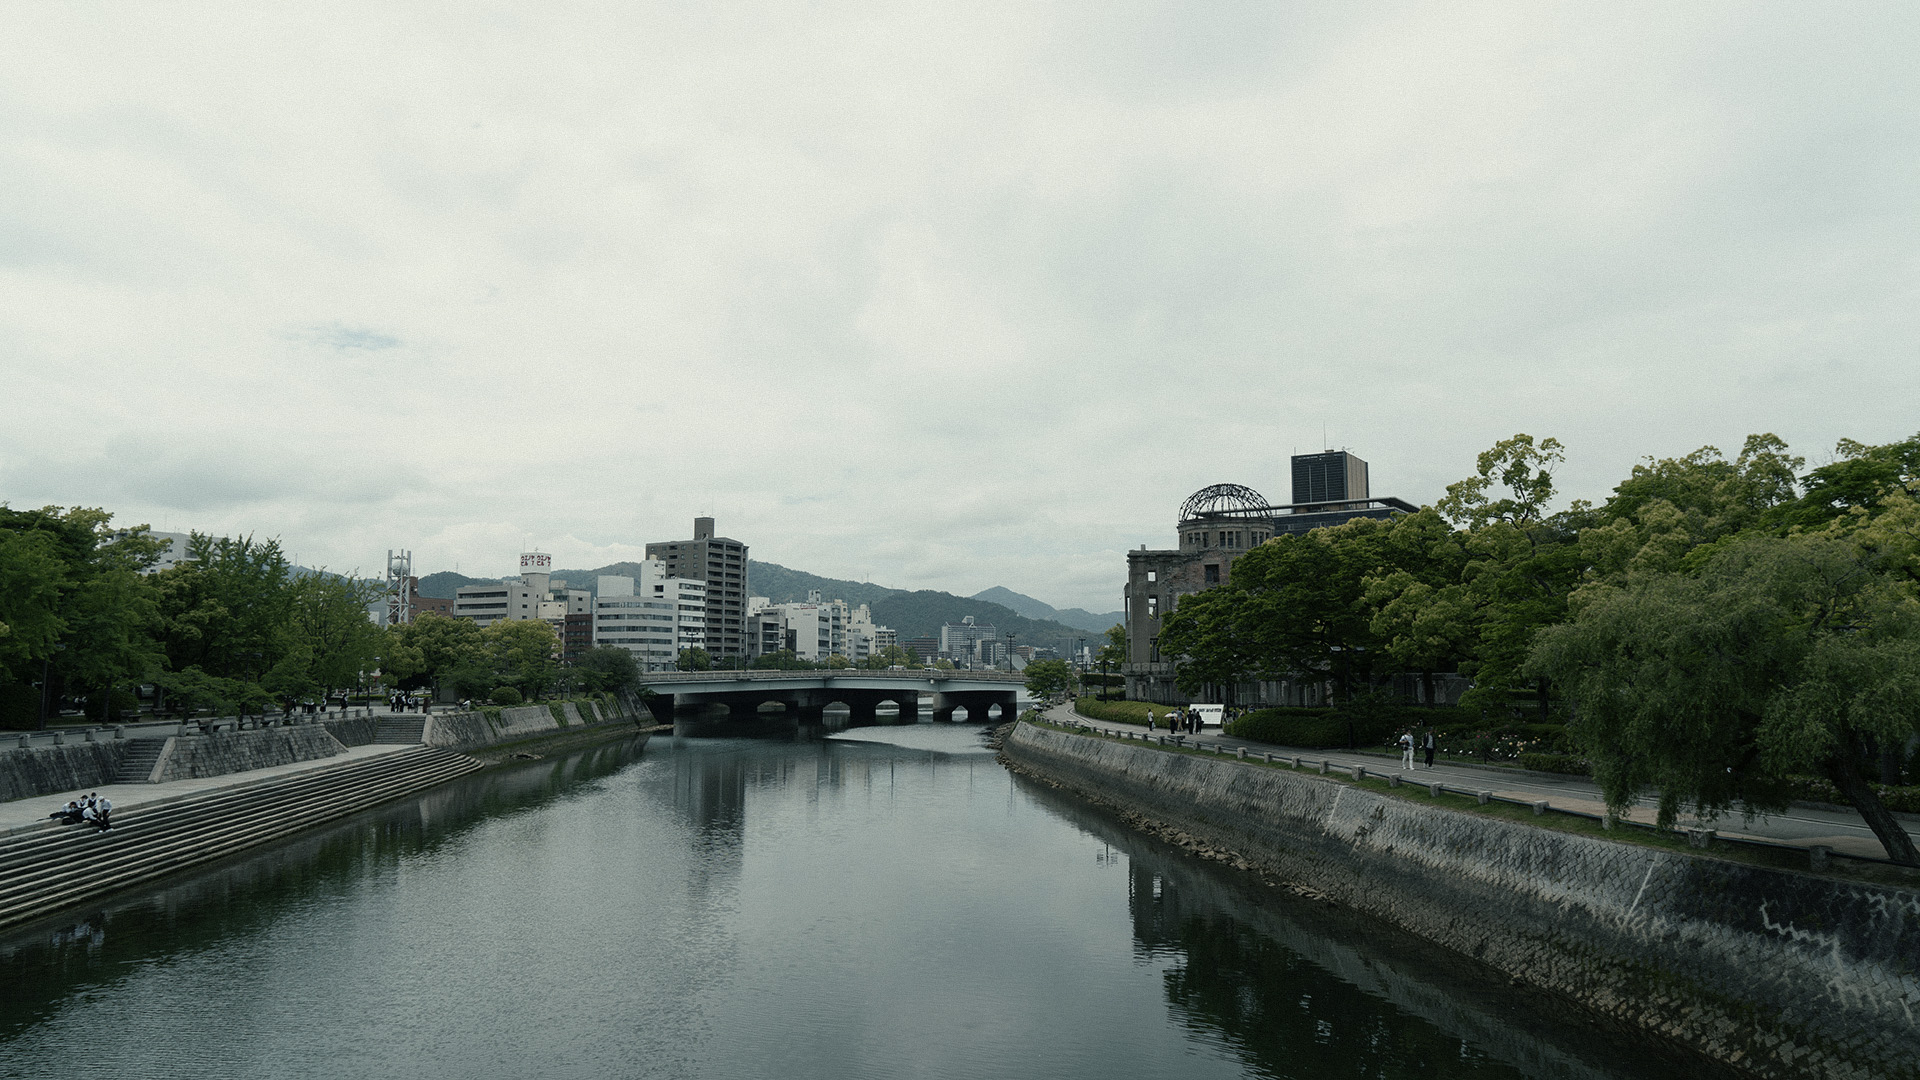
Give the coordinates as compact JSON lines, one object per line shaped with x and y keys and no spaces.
{"x":76,"y":614}
{"x":433,"y":648}
{"x":1863,"y":478}
{"x":224,"y":611}
{"x":609,"y":668}
{"x":1206,"y":638}
{"x":1521,"y":466}
{"x":524,"y":653}
{"x":889,"y":657}
{"x":1049,"y":678}
{"x":1783,"y":653}
{"x":837,"y":662}
{"x":1112,"y":656}
{"x":694,"y":659}
{"x":329,"y":639}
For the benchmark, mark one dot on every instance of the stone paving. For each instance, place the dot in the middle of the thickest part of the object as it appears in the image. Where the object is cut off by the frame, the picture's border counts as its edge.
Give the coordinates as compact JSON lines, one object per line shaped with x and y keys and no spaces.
{"x":1800,"y":825}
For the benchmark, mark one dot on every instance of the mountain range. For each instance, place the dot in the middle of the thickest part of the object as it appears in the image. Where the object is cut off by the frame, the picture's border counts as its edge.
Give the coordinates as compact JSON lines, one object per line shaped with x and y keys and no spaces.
{"x":912,"y":614}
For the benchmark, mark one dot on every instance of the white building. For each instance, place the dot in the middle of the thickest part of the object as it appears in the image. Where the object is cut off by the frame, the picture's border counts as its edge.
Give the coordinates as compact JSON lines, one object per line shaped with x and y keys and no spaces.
{"x":527,"y":597}
{"x":964,"y":642}
{"x":655,"y":617}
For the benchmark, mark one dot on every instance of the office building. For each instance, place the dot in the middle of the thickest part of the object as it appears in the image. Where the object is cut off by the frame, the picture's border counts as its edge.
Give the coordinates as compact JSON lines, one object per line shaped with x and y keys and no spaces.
{"x":655,"y":617}
{"x":530,"y":596}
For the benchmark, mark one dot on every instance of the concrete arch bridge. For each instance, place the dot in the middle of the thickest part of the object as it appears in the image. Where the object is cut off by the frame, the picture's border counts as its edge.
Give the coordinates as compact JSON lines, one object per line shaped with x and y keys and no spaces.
{"x":738,"y":695}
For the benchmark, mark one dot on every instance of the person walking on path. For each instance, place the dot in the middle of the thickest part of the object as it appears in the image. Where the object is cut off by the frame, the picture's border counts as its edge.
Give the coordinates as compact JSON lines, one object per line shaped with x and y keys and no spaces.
{"x":1429,"y":748}
{"x":1406,"y":750}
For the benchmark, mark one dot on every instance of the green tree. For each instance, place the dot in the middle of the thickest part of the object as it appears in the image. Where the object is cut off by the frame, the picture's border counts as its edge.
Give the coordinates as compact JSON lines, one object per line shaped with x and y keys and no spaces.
{"x":330,"y":640}
{"x":74,"y":607}
{"x":525,"y":654}
{"x":224,"y":611}
{"x":694,"y":659}
{"x":1206,"y":637}
{"x":1862,"y":478}
{"x":838,"y":662}
{"x":1047,"y":679}
{"x":433,"y":648}
{"x":891,"y":656}
{"x":1781,"y":654}
{"x":609,"y":668}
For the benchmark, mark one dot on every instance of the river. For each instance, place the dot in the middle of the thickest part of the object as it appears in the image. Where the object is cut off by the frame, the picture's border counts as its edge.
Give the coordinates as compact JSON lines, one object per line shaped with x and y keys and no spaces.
{"x":884,"y":902}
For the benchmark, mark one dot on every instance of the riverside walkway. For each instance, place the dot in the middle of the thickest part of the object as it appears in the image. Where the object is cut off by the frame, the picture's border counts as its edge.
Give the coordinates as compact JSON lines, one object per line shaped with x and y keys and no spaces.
{"x":1801,"y":825}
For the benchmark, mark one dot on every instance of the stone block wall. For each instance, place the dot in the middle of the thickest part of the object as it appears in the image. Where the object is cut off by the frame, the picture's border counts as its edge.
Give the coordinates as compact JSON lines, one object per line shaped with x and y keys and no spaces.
{"x":353,"y":730}
{"x":1782,"y":974}
{"x":469,"y":730}
{"x":238,"y":751}
{"x":25,"y":774}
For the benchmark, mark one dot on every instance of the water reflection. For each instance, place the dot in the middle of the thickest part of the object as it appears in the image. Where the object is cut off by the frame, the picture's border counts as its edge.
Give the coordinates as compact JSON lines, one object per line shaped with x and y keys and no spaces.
{"x":885,"y":901}
{"x":45,"y":965}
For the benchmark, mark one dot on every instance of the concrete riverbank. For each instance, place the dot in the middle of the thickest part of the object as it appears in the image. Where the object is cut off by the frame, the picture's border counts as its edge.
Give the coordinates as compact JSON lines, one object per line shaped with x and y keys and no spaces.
{"x":1778,"y":973}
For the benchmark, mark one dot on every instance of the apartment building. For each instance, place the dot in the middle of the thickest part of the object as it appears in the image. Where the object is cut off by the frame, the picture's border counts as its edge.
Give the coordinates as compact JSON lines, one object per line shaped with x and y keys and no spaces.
{"x":721,"y":563}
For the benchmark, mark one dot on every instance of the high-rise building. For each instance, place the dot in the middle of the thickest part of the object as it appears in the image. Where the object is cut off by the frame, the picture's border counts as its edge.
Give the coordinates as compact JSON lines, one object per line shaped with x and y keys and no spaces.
{"x":722,"y":564}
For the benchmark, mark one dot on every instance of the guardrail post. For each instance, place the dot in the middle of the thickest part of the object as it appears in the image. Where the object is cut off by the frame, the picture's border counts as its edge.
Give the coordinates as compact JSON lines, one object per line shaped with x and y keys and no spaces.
{"x":1240,"y":752}
{"x":26,"y":741}
{"x":1394,"y":780}
{"x":1486,"y":797}
{"x":1820,"y":856}
{"x":1324,"y":766}
{"x":1699,"y":837}
{"x":1539,"y":807}
{"x":59,"y":738}
{"x":1359,"y":772}
{"x":1434,"y":790}
{"x":1297,"y":762}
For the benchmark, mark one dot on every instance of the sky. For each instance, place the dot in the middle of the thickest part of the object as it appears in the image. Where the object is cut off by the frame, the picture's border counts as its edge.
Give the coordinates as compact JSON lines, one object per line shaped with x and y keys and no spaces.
{"x":934,"y":295}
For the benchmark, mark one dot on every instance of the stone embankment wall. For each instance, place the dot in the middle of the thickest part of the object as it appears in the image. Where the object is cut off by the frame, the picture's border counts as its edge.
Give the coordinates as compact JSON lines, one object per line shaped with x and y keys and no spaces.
{"x":238,"y":751}
{"x":1781,"y":974}
{"x":25,"y":774}
{"x":470,"y":730}
{"x":353,"y":730}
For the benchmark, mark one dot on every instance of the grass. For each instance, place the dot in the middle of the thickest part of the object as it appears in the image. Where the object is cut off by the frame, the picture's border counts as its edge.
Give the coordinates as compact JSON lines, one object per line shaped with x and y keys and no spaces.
{"x":1561,"y":821}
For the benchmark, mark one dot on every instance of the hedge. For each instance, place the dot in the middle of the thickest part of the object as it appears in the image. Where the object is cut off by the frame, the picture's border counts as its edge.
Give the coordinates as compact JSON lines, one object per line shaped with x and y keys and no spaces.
{"x":1316,"y":728}
{"x":1118,"y":712}
{"x":1904,"y":798}
{"x":1556,"y":763}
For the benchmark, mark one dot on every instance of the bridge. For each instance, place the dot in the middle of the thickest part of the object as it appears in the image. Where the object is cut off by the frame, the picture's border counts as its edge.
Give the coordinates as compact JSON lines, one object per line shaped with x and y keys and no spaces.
{"x":806,"y":694}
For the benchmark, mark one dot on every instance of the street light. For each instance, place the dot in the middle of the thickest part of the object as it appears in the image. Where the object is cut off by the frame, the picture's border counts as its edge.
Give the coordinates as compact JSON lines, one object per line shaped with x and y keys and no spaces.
{"x":1010,"y":637}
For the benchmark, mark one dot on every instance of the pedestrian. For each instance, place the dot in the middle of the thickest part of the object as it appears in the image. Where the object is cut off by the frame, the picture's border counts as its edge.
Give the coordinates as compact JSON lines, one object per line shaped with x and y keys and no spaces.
{"x":104,"y":808}
{"x":1406,"y":750}
{"x":1429,"y":748}
{"x":1149,"y":719}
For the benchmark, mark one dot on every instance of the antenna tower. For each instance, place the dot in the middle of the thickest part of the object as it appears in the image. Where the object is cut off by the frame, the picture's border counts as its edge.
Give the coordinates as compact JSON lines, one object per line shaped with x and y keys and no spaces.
{"x":400,"y":582}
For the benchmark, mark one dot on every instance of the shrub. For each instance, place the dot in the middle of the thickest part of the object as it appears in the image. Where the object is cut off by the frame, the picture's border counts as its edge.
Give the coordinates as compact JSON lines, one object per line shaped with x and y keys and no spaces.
{"x":1119,"y":712}
{"x":559,"y":711}
{"x":1556,"y":763}
{"x":1316,"y":728}
{"x":1902,"y":798}
{"x":505,"y":695}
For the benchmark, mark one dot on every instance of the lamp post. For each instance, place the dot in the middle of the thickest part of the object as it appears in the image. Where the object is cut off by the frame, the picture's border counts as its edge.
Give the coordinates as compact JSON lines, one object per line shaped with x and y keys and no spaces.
{"x":1010,"y":637}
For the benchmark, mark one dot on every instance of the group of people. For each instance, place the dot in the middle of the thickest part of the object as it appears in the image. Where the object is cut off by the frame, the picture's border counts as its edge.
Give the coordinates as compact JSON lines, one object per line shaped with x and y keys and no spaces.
{"x":1409,"y":742}
{"x":1189,"y":721}
{"x":96,"y":809}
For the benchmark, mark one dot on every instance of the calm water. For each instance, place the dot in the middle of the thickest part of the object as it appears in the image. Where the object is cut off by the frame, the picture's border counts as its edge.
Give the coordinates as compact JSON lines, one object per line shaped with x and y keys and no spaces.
{"x":887,"y":902}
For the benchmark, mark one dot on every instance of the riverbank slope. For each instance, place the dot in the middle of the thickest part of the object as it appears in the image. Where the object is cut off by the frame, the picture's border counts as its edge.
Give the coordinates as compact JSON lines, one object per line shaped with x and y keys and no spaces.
{"x":1779,"y":973}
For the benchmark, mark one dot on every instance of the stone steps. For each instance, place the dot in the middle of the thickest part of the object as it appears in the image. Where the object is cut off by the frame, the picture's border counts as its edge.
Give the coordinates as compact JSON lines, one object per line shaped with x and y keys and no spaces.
{"x":137,"y":766}
{"x":400,"y":730}
{"x":47,"y":869}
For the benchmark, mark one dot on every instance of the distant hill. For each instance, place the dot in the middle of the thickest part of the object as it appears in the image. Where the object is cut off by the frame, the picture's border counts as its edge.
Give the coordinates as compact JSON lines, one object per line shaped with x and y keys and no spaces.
{"x":911,"y":614}
{"x":1079,"y":618}
{"x":781,"y":585}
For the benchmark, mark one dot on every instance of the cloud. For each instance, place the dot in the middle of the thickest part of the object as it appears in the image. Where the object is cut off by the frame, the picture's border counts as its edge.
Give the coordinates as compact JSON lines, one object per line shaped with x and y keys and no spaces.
{"x":949,"y":297}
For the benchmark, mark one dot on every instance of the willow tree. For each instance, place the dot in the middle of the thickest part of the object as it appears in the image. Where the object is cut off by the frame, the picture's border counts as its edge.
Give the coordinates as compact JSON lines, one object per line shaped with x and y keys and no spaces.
{"x":1782,"y":655}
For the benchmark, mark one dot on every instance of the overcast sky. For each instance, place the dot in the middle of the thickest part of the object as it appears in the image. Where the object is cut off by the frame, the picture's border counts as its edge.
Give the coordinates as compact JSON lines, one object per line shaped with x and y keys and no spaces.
{"x":941,"y":296}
